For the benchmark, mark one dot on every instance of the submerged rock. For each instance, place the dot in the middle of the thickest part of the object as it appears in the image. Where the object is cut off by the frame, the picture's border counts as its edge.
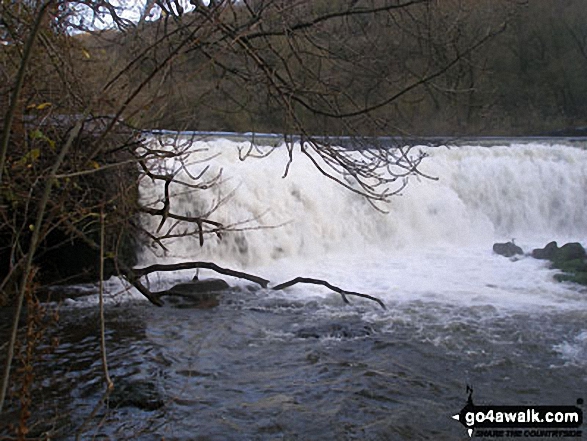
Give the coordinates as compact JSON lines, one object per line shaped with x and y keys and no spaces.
{"x":203,"y":293}
{"x":508,"y":249}
{"x":141,"y":394}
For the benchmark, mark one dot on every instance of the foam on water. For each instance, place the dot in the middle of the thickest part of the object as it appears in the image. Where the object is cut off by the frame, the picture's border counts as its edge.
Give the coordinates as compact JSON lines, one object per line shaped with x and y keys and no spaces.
{"x":435,"y":242}
{"x":575,"y":350}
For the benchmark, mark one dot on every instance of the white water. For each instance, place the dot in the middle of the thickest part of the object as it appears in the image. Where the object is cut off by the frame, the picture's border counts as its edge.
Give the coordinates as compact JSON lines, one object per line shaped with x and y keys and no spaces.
{"x":531,"y":192}
{"x":434,"y":245}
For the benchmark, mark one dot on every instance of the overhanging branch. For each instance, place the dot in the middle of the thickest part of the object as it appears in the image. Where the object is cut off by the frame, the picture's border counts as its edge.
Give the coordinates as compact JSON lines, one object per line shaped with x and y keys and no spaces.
{"x":134,"y":275}
{"x":328,"y":285}
{"x":140,"y":272}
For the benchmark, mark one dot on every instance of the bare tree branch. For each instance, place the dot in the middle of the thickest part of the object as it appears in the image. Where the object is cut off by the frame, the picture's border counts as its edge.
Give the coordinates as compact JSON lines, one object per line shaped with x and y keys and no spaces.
{"x":342,"y":292}
{"x":140,"y":272}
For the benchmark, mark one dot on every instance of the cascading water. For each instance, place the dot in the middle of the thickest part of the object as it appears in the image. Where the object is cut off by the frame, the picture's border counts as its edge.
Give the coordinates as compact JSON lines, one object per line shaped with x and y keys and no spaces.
{"x":299,"y":363}
{"x":530,"y":192}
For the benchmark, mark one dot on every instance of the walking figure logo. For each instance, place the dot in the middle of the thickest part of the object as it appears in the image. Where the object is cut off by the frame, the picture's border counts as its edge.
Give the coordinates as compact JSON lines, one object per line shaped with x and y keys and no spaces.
{"x":468,"y":406}
{"x":535,"y":421}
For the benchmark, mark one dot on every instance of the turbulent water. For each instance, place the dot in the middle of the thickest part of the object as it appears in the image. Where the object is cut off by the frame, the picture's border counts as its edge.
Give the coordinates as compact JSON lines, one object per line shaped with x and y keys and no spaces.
{"x":299,"y":364}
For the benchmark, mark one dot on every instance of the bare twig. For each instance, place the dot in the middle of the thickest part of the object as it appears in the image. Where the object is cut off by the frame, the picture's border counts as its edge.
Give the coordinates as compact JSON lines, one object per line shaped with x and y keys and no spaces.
{"x":140,"y":272}
{"x":342,"y":292}
{"x":35,"y":238}
{"x":109,"y":383}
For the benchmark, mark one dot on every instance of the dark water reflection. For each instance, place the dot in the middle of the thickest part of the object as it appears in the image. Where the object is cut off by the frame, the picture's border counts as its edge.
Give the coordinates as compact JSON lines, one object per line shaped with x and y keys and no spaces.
{"x":259,"y":368}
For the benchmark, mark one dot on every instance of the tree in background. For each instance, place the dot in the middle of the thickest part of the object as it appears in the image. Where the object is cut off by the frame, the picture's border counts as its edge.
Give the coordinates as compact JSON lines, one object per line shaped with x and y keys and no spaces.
{"x":76,"y":96}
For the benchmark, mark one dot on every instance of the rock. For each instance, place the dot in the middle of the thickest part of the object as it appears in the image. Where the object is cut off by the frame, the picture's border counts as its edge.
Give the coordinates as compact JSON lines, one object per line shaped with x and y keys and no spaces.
{"x":572,"y":266}
{"x":198,"y":286}
{"x":570,"y":258}
{"x":569,"y":251}
{"x":141,"y":394}
{"x":200,"y":293}
{"x":508,"y":249}
{"x":546,"y":253}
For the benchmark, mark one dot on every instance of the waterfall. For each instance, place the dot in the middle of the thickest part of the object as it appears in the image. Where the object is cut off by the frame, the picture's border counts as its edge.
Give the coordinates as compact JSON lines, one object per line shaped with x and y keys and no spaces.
{"x":532,"y":192}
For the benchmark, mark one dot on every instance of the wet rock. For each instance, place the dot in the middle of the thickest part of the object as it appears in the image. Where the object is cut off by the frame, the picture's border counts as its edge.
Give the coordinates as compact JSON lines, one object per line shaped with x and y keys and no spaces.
{"x":508,"y":249}
{"x":573,"y":266}
{"x":570,"y":258}
{"x":142,"y":394}
{"x":568,"y":252}
{"x":198,"y":286}
{"x":546,"y":253}
{"x":203,"y":293}
{"x":335,"y":330}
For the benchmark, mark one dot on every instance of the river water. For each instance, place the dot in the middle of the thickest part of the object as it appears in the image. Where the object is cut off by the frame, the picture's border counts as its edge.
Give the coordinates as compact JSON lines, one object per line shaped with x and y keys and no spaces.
{"x":300,"y":364}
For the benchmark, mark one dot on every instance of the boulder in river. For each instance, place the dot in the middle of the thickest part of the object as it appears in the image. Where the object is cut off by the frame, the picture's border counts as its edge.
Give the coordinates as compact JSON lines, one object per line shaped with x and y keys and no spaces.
{"x":142,"y":394}
{"x":200,"y":293}
{"x":546,"y":253}
{"x":568,"y":252}
{"x":508,"y":249}
{"x":570,"y":258}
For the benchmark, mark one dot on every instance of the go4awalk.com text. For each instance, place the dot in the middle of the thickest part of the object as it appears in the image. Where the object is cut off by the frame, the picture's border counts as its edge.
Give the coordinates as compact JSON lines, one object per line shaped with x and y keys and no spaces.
{"x":521,"y":421}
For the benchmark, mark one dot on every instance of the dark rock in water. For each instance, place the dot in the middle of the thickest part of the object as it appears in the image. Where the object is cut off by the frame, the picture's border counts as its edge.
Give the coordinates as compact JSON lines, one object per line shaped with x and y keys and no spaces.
{"x":200,"y":293}
{"x":546,"y":253}
{"x":508,"y":249}
{"x":572,"y":266}
{"x":141,"y":394}
{"x":198,"y":286}
{"x":569,"y":251}
{"x":335,"y":330}
{"x":570,"y":258}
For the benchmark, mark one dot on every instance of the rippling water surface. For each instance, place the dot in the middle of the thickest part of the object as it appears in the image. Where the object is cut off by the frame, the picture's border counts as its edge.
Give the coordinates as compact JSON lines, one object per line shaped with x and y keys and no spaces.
{"x":302,"y":365}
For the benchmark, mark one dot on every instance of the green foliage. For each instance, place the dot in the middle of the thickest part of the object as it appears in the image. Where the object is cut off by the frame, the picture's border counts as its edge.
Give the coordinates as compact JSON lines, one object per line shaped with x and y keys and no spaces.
{"x":571,"y":266}
{"x":579,"y":277}
{"x":38,"y":134}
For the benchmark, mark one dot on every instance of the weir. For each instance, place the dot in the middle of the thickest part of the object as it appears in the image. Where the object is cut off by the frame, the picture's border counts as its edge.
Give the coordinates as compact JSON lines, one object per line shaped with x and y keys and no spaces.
{"x":528,"y":191}
{"x":275,"y":139}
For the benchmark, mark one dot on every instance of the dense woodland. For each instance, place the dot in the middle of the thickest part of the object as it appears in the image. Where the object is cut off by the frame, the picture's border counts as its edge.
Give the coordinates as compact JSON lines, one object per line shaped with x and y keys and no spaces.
{"x":456,"y":67}
{"x":452,"y":68}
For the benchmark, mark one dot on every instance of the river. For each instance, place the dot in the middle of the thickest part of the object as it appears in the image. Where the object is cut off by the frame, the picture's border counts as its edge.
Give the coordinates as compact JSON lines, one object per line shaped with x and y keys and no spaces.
{"x":300,"y":364}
